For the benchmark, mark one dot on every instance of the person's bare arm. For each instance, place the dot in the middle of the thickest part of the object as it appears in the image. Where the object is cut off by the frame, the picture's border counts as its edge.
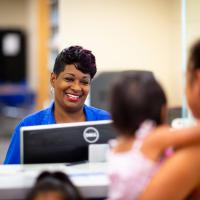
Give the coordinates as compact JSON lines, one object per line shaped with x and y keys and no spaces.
{"x":184,"y":137}
{"x":177,"y":177}
{"x":164,"y":137}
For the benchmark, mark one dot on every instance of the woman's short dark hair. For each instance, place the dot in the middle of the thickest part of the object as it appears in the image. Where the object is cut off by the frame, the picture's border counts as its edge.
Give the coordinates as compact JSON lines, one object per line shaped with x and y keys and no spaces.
{"x":135,"y":97}
{"x":83,"y":60}
{"x":54,"y":182}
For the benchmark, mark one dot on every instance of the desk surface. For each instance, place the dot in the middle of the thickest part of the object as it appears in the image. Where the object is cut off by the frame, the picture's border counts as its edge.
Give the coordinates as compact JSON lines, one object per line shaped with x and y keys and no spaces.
{"x":16,"y":180}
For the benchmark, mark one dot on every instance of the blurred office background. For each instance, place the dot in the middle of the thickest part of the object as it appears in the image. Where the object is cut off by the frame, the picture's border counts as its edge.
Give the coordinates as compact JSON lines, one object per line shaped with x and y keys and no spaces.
{"x":123,"y":34}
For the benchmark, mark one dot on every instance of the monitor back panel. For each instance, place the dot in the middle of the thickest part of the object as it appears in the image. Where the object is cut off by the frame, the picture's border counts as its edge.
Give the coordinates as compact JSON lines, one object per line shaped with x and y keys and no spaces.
{"x":62,"y":144}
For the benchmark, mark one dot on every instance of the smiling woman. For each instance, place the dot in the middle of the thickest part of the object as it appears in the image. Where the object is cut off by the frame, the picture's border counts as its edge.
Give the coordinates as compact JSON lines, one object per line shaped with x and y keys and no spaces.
{"x":73,"y":71}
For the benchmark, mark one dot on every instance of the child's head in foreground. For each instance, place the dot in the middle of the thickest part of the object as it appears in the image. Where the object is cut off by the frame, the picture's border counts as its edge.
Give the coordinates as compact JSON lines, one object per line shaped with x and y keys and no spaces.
{"x":137,"y":97}
{"x":53,"y":186}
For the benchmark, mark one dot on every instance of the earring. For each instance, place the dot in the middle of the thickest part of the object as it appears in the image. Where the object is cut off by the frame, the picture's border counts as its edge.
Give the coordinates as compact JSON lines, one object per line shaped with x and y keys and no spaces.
{"x":52,"y":91}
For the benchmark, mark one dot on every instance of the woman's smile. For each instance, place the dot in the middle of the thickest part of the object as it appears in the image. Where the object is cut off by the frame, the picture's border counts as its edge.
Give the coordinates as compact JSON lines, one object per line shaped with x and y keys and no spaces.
{"x":72,"y":97}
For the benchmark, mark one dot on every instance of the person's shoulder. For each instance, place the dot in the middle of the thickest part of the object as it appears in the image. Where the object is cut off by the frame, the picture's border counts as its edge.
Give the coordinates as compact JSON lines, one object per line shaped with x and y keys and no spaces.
{"x":36,"y":118}
{"x":99,"y":113}
{"x":97,"y":110}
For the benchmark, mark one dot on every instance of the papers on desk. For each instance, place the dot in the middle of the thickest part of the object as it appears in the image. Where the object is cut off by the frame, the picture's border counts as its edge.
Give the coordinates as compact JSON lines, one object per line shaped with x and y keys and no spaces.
{"x":17,"y":169}
{"x":9,"y":169}
{"x":90,"y":179}
{"x":86,"y":175}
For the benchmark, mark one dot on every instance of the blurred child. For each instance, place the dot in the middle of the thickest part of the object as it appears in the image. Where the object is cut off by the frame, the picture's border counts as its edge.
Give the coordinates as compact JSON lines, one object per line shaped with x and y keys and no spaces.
{"x":138,"y":108}
{"x":54,"y":186}
{"x":179,"y":177}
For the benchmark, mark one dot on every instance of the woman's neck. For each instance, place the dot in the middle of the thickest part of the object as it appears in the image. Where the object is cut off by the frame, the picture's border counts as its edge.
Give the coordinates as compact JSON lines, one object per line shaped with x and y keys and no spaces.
{"x":62,"y":116}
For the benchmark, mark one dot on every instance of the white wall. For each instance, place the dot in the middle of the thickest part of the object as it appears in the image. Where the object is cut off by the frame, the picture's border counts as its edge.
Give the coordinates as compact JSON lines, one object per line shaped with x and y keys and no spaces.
{"x":128,"y":34}
{"x":13,"y":14}
{"x":32,"y":43}
{"x":192,"y":21}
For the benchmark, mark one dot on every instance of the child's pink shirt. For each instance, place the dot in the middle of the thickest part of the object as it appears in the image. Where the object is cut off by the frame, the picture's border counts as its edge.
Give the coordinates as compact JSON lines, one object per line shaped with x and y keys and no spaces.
{"x":130,"y":172}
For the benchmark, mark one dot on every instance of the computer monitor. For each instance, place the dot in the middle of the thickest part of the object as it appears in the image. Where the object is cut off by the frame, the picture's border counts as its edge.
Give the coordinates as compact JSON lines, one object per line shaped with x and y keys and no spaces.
{"x":62,"y":143}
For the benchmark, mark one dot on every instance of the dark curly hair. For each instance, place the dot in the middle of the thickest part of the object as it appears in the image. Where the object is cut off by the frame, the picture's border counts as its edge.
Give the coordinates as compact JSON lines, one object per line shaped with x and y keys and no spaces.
{"x":83,"y":60}
{"x":194,"y":58}
{"x":136,"y":97}
{"x":54,"y":182}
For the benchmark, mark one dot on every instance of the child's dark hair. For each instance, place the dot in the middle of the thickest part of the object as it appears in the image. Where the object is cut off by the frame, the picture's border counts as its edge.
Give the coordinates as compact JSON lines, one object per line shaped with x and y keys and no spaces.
{"x":54,"y":182}
{"x":83,"y":60}
{"x":136,"y":97}
{"x":194,"y":58}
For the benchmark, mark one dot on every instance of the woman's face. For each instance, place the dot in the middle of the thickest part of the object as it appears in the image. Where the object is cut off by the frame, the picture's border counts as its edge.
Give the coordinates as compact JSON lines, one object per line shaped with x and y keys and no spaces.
{"x":71,"y":88}
{"x":193,"y":93}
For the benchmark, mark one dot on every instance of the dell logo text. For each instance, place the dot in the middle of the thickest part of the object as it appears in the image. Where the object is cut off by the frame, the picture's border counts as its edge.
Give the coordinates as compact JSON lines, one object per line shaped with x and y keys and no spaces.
{"x":91,"y":134}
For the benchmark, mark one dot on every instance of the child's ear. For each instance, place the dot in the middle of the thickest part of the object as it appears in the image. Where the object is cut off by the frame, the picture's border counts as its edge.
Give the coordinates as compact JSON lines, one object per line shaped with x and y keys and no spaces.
{"x":53,"y":79}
